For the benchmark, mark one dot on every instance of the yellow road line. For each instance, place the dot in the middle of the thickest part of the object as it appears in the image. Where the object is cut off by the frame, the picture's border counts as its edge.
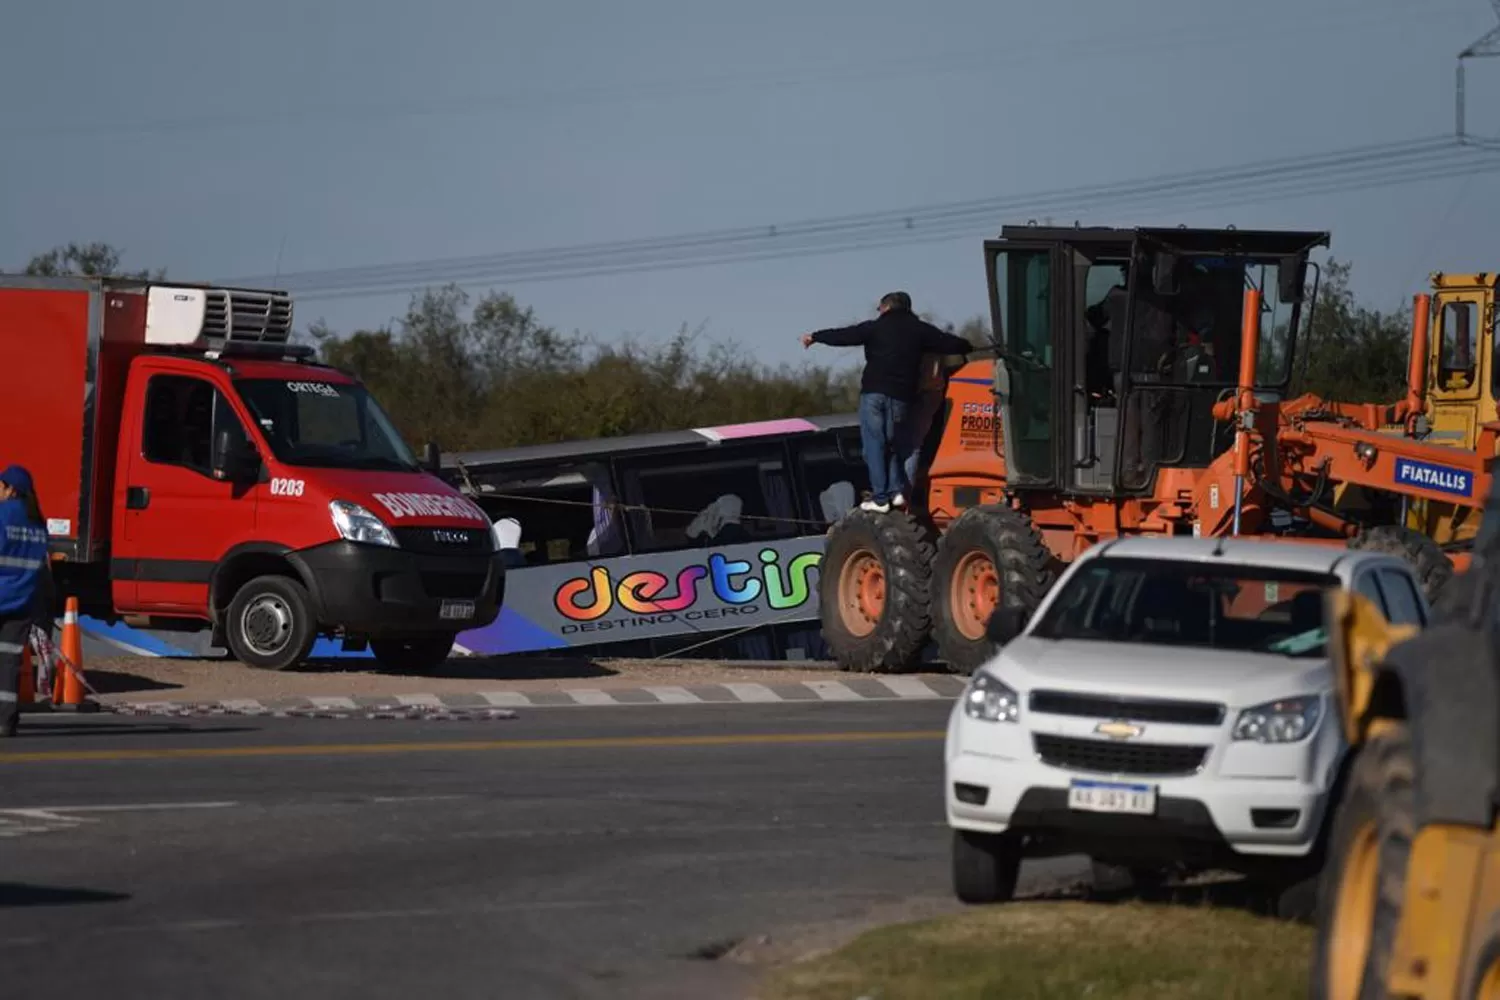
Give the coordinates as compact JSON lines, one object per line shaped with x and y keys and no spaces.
{"x":356,"y":749}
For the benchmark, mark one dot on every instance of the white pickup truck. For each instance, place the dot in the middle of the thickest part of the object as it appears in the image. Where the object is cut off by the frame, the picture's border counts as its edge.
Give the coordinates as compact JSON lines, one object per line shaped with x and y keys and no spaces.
{"x":1168,"y":706}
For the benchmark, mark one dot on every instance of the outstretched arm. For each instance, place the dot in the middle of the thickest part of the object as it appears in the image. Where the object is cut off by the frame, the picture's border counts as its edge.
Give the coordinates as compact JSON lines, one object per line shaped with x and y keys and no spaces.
{"x":839,"y":336}
{"x":935,"y":341}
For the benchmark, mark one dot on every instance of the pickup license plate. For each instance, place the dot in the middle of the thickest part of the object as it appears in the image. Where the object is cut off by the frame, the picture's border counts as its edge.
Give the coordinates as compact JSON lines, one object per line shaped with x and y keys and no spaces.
{"x":1112,"y":797}
{"x":456,"y":611}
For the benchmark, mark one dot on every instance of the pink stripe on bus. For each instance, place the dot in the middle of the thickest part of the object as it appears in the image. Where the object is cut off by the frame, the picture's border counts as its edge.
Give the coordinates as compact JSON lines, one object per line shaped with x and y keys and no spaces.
{"x":759,"y":428}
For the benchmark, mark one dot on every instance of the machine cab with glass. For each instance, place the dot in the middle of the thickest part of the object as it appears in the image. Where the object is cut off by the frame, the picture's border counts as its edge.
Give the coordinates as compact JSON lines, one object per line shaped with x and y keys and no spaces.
{"x":1463,"y":385}
{"x":1114,"y":344}
{"x":1463,"y":382}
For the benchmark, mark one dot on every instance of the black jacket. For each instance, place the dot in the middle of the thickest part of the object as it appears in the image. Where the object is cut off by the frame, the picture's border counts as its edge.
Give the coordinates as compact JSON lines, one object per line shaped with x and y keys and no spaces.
{"x":894,"y":343}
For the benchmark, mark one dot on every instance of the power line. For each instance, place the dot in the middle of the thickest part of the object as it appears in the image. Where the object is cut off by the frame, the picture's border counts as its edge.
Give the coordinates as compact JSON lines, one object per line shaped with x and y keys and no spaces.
{"x":1358,"y":168}
{"x":983,"y":208}
{"x":708,"y":251}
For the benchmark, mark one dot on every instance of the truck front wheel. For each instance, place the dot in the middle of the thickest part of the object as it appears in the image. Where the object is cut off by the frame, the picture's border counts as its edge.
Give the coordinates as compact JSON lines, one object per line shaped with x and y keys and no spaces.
{"x":989,"y":557}
{"x":872,"y":591}
{"x":270,"y":623}
{"x":413,"y":656}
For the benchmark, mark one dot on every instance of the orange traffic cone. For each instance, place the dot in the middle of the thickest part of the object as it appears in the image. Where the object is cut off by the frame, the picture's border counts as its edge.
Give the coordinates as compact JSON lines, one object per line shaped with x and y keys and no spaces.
{"x":26,"y":689}
{"x":70,"y":674}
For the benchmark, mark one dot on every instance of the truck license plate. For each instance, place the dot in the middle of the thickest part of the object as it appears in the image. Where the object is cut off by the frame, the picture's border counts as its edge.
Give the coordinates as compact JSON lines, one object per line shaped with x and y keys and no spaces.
{"x":1112,"y":797}
{"x":456,"y":611}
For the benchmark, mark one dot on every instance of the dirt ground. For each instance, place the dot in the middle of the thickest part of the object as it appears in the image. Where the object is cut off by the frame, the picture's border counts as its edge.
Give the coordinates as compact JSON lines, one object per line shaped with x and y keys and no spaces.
{"x":158,"y":678}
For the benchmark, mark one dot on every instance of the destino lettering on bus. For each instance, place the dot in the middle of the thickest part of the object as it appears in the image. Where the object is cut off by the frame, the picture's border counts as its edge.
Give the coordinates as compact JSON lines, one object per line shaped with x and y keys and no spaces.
{"x":647,"y":592}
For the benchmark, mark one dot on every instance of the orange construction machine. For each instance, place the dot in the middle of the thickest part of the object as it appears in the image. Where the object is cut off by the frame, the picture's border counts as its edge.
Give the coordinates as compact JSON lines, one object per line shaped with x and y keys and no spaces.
{"x":1136,"y":385}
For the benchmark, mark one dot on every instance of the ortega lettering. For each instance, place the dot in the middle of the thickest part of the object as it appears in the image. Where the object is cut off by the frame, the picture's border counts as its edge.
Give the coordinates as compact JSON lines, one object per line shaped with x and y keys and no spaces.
{"x":1438,"y":478}
{"x":647,"y":592}
{"x":430,"y":505}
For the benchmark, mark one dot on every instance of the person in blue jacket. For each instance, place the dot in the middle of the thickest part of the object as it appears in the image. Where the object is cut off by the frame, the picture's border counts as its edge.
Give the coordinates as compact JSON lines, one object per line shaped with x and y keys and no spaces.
{"x":25,"y":579}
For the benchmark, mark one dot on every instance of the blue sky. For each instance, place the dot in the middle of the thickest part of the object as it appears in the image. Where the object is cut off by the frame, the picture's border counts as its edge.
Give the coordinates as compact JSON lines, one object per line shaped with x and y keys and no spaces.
{"x":220,"y":139}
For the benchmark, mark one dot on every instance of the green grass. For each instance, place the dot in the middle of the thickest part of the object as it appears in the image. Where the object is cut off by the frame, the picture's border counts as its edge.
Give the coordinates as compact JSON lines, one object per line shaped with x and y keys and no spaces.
{"x":1038,"y":951}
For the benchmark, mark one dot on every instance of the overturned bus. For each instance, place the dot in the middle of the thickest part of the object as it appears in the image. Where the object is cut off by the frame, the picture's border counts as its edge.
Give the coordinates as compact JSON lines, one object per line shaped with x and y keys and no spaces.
{"x":702,"y":542}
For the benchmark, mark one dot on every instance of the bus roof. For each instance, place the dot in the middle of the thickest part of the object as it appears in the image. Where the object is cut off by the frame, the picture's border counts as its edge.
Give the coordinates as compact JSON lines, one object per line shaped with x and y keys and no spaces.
{"x":683,"y":440}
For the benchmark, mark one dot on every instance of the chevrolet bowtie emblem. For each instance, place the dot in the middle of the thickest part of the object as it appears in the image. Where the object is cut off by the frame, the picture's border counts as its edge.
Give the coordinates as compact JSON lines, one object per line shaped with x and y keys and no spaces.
{"x":1119,"y":730}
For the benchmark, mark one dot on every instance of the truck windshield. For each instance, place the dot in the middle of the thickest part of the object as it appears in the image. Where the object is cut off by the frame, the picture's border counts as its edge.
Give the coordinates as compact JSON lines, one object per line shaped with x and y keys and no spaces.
{"x":329,"y":425}
{"x":1183,"y":603}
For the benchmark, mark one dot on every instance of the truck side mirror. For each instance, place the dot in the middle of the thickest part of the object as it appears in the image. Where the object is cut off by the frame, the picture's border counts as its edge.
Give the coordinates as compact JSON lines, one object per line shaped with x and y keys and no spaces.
{"x":1291,"y":279}
{"x":432,"y":458}
{"x":1164,"y":274}
{"x":1005,"y":624}
{"x":234,"y":459}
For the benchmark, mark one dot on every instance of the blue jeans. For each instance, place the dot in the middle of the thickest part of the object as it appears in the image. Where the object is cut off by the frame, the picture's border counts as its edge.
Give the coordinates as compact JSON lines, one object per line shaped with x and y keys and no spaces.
{"x":918,"y":422}
{"x":880,"y":426}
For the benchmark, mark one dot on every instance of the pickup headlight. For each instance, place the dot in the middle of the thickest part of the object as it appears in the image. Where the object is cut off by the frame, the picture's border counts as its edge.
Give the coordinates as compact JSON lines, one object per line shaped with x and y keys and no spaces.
{"x":1284,"y":721}
{"x":988,"y":699}
{"x":356,"y":524}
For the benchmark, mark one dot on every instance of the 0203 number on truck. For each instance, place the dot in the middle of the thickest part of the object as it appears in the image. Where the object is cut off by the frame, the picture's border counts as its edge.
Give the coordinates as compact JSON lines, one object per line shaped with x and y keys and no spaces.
{"x":288,"y":487}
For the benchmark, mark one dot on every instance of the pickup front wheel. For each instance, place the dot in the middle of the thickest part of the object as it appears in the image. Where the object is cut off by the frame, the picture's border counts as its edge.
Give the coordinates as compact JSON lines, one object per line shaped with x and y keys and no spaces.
{"x":270,"y":623}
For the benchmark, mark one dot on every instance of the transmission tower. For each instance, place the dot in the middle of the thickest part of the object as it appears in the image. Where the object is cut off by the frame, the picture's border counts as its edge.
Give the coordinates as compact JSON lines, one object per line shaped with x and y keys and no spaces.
{"x":1485,"y":46}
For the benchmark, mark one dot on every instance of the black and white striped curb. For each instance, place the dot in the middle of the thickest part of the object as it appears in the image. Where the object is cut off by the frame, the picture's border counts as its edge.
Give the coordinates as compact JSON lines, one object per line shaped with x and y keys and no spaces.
{"x":502,"y":704}
{"x":304,"y":708}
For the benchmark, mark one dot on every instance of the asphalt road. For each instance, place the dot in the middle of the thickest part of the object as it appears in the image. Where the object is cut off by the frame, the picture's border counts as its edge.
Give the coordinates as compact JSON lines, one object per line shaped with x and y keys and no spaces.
{"x":570,"y":853}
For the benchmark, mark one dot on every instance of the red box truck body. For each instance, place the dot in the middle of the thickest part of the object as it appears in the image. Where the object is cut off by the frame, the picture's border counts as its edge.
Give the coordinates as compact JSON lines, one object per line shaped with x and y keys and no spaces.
{"x":195,"y":467}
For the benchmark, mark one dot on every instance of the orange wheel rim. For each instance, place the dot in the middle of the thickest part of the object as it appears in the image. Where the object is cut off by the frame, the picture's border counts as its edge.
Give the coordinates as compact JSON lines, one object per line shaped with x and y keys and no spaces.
{"x":862,"y":593}
{"x":974,"y":594}
{"x":1354,"y":916}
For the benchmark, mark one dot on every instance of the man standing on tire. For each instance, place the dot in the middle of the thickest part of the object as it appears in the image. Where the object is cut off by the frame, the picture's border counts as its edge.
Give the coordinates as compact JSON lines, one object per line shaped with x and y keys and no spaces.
{"x":894,"y":342}
{"x":23,"y":574}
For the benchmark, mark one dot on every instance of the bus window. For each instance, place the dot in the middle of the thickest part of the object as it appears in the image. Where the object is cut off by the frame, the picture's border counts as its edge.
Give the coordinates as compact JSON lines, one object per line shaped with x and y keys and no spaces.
{"x":832,"y":480}
{"x":563,"y":515}
{"x":694,"y":503}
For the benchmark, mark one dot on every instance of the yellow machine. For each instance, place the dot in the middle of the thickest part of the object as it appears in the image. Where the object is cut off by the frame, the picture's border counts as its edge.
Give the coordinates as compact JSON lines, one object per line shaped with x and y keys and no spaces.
{"x":1409,"y":902}
{"x":1463,"y":383}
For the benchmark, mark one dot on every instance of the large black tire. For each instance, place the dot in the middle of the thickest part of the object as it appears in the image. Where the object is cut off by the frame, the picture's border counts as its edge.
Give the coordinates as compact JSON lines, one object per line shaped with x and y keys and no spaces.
{"x":1362,"y":885}
{"x":895,"y":555}
{"x":1480,"y":979}
{"x":1431,"y":566}
{"x":987,"y":549}
{"x":415,"y":655}
{"x":270,"y":623}
{"x":986,"y":866}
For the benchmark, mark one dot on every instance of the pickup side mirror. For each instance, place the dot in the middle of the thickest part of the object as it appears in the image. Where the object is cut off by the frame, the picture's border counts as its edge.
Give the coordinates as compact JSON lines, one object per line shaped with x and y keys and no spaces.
{"x":1005,"y":624}
{"x":432,"y":458}
{"x":234,"y":458}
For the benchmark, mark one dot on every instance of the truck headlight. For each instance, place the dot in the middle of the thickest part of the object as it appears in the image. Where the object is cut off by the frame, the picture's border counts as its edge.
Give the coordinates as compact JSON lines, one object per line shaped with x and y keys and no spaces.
{"x":988,"y":699}
{"x":356,"y":524}
{"x":1284,"y":721}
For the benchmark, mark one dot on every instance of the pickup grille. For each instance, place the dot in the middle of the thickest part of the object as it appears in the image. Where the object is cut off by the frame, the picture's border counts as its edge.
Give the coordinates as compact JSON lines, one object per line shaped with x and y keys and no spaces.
{"x":241,"y":315}
{"x":1109,"y":757}
{"x":1095,"y":706}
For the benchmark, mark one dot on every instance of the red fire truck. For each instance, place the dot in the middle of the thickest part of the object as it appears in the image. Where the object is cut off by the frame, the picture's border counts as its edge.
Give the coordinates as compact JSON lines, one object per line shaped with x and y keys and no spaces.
{"x":196,"y":466}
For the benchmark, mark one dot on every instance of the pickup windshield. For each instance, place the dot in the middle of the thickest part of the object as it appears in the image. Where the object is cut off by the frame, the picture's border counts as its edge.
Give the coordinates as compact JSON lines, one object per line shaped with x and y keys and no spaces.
{"x":1184,"y":603}
{"x":329,"y":425}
